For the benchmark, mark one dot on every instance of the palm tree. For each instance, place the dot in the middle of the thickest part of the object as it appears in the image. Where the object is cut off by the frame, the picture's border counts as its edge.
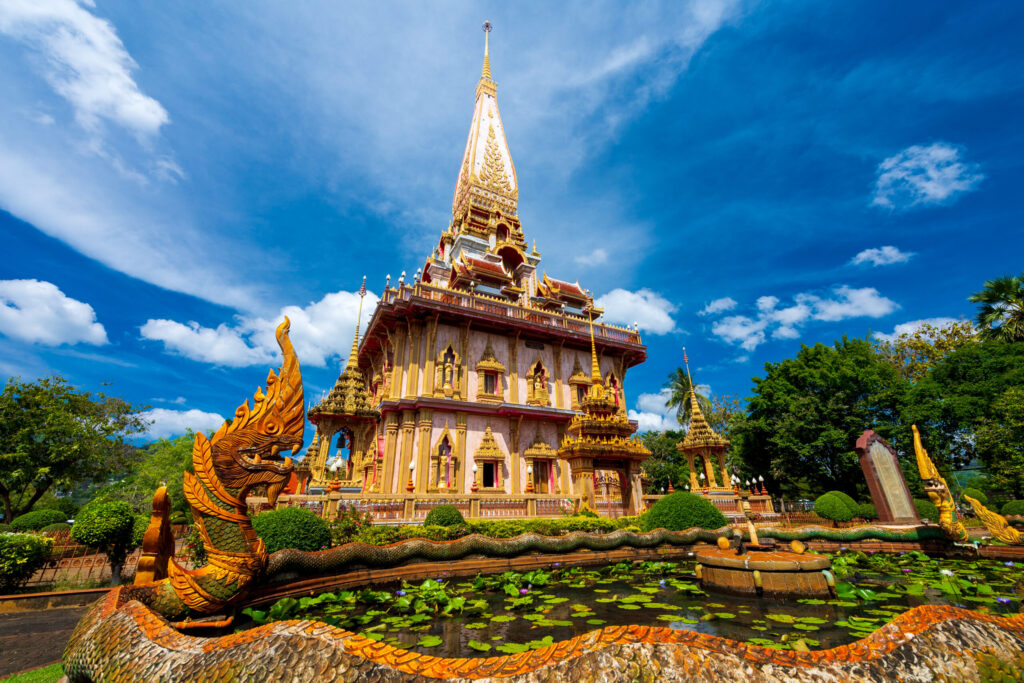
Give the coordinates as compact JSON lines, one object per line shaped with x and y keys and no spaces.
{"x":679,"y":385}
{"x":1001,"y":315}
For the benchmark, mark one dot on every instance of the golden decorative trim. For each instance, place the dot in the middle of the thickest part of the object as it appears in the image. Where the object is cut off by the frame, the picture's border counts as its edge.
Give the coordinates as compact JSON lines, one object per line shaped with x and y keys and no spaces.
{"x":488,"y":448}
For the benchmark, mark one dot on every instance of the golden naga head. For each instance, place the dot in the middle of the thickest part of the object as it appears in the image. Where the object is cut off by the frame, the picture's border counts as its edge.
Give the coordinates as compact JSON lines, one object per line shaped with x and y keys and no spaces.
{"x":247,"y":451}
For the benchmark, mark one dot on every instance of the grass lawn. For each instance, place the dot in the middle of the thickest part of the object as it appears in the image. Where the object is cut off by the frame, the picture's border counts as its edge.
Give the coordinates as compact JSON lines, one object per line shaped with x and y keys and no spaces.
{"x":48,"y":674}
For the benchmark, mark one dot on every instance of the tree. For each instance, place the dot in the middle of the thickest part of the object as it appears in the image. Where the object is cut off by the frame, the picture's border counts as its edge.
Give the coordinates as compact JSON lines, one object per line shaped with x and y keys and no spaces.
{"x":1001,"y":315}
{"x":804,"y":418}
{"x":109,"y":527}
{"x":679,"y":387}
{"x":666,"y":462}
{"x":1000,"y":443}
{"x":161,"y":463}
{"x":915,"y":353}
{"x":53,"y":435}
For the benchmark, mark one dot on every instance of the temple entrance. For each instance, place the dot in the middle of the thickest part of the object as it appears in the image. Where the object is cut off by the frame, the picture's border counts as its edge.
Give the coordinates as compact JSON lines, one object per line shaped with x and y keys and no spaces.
{"x":490,"y":475}
{"x":541,"y":476}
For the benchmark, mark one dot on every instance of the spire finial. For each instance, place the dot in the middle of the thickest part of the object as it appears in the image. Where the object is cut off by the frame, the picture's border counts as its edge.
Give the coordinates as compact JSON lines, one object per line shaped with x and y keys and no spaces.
{"x":595,"y":369}
{"x":486,"y":73}
{"x":353,"y":361}
{"x":686,"y":360}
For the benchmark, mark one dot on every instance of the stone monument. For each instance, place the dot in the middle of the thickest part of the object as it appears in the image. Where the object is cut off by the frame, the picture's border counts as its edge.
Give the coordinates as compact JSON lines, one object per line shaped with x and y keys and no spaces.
{"x":888,"y":488}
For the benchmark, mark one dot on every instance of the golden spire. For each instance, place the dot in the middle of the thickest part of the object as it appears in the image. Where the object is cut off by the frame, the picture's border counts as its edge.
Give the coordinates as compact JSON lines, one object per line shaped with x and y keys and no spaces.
{"x":595,"y":369}
{"x":353,"y":361}
{"x":700,"y":434}
{"x":486,"y":72}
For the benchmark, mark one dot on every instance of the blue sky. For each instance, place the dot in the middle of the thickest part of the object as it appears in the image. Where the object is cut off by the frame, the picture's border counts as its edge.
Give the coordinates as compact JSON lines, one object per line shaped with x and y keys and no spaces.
{"x":737,"y":177}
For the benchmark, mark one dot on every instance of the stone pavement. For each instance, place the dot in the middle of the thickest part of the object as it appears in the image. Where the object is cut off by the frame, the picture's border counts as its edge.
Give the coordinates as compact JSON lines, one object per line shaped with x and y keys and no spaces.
{"x":29,"y":639}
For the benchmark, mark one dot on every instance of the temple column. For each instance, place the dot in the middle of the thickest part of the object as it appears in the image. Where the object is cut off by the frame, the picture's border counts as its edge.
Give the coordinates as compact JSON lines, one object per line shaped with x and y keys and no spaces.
{"x":513,"y":371}
{"x":396,"y":370}
{"x":413,"y":366}
{"x":423,"y":462}
{"x":721,"y":466}
{"x":583,"y":482}
{"x":556,"y":374}
{"x":694,"y":484}
{"x":709,"y":470}
{"x":408,"y":432}
{"x":428,"y":363}
{"x":390,"y":443}
{"x":513,"y":453}
{"x":460,"y":435}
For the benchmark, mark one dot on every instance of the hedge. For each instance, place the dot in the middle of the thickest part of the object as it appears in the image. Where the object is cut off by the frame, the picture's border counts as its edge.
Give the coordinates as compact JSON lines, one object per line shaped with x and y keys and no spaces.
{"x":20,"y":556}
{"x":444,"y":515}
{"x":867,"y":511}
{"x":847,"y":500}
{"x":385,"y":535}
{"x":926,"y":510}
{"x":37,"y":519}
{"x":976,"y":494}
{"x":832,"y":507}
{"x":59,"y":526}
{"x":681,"y":510}
{"x":1013,"y":507}
{"x":292,"y":527}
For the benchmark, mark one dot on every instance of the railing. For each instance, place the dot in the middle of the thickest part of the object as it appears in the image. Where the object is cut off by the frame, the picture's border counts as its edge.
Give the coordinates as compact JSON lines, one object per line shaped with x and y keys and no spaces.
{"x":497,"y":307}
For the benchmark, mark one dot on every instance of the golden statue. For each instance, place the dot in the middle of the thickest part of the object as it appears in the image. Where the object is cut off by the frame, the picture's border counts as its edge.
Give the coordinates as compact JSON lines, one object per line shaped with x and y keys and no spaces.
{"x":938,"y":492}
{"x":995,"y":523}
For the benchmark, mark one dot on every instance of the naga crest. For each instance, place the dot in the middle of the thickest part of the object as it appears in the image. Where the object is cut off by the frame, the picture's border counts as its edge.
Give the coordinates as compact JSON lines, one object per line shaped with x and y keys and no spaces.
{"x":245,"y":453}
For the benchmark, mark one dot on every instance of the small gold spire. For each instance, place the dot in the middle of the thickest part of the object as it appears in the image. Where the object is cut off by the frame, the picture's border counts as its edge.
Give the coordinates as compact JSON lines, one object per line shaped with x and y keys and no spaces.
{"x":353,"y":361}
{"x":486,"y":73}
{"x":595,"y":369}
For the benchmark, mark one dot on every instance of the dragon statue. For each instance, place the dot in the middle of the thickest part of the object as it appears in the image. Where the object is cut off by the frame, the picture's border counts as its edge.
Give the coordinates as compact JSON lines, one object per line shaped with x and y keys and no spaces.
{"x":938,"y":492}
{"x":995,"y":523}
{"x":242,"y":455}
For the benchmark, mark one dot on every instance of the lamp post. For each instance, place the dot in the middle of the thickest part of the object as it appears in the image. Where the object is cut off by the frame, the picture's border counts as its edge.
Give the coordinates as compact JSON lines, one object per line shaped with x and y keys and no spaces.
{"x":473,"y":487}
{"x":410,"y":486}
{"x":529,"y":478}
{"x":760,"y":485}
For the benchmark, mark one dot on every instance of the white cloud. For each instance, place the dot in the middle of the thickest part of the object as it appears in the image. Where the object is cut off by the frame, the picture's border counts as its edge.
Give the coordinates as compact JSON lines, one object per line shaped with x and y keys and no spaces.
{"x":38,"y":312}
{"x":594,"y":258}
{"x":84,"y":61}
{"x":786,"y":323}
{"x":653,"y":413}
{"x":719,"y":306}
{"x":912,"y":326}
{"x":165,"y":423}
{"x":882,"y":256}
{"x":649,"y":309}
{"x":319,"y":331}
{"x":924,"y":175}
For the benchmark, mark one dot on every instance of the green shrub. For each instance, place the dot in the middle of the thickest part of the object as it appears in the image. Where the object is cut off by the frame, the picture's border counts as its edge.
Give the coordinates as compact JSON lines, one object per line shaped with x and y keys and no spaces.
{"x":848,"y":501}
{"x":37,"y":519}
{"x":292,"y":527}
{"x":4,"y":528}
{"x":926,"y":510}
{"x":444,"y":515}
{"x":20,"y":556}
{"x":50,"y":501}
{"x":1013,"y":507}
{"x":348,"y":524}
{"x":109,"y":527}
{"x":194,"y":547}
{"x":59,"y":526}
{"x":586,"y":512}
{"x":867,"y":511}
{"x":139,"y":529}
{"x":681,"y":510}
{"x":832,"y":507}
{"x":977,"y":495}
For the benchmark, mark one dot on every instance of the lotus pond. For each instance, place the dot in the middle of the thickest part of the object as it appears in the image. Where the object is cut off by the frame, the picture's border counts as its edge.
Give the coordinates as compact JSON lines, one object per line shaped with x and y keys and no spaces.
{"x":513,"y":612}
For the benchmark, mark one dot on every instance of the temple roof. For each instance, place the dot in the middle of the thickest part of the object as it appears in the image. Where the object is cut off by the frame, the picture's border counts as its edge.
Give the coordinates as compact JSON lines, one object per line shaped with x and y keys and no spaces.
{"x":486,"y":173}
{"x":700,"y":434}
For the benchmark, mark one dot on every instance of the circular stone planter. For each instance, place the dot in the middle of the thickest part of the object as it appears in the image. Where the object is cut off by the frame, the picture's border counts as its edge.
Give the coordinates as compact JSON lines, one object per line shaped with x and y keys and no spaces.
{"x":772,"y":573}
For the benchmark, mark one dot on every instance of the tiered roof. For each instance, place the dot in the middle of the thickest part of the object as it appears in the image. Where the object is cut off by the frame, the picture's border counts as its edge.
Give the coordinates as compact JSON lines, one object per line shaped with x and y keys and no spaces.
{"x":700,"y":435}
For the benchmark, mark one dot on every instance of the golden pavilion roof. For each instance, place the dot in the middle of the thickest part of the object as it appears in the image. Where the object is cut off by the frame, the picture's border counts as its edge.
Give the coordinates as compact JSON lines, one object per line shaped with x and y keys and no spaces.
{"x":700,"y":435}
{"x":488,"y":448}
{"x":349,"y":397}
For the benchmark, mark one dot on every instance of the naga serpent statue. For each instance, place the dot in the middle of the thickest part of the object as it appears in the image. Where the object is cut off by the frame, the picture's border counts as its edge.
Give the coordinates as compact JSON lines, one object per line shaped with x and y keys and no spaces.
{"x":242,"y":455}
{"x":938,"y":492}
{"x":995,"y":523}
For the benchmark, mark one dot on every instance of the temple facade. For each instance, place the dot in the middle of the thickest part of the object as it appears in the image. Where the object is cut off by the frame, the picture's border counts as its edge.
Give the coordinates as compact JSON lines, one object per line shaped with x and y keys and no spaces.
{"x":471,"y":372}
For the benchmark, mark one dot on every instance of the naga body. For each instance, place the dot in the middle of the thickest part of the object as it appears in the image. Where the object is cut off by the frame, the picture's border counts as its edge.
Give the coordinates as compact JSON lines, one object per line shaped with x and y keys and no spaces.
{"x":938,"y":492}
{"x":242,"y":455}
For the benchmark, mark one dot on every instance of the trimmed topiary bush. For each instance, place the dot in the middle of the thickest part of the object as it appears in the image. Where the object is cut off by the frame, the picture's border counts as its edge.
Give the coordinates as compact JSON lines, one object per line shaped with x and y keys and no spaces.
{"x":976,"y":495}
{"x":681,"y":510}
{"x":296,"y":528}
{"x":1013,"y":507}
{"x":847,"y":500}
{"x":59,"y":526}
{"x":926,"y":510}
{"x":867,"y":511}
{"x":20,"y":556}
{"x":109,"y":528}
{"x":444,"y":515}
{"x":831,"y":507}
{"x":37,"y":519}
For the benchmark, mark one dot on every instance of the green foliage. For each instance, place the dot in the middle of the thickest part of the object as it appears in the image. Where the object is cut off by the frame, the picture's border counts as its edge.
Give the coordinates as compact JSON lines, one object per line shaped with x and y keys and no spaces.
{"x":54,"y":436}
{"x":847,"y":500}
{"x":194,"y":547}
{"x":139,"y":529}
{"x":679,"y":388}
{"x":47,"y":674}
{"x":161,"y":463}
{"x":680,"y":510}
{"x":866,"y":511}
{"x":926,"y":510}
{"x":666,"y":463}
{"x":1000,"y":442}
{"x":292,"y":527}
{"x":386,"y":535}
{"x":807,"y":412}
{"x":976,"y":494}
{"x":349,"y":523}
{"x":37,"y":519}
{"x":65,"y":504}
{"x":109,"y":527}
{"x":832,"y":507}
{"x":1013,"y":507}
{"x":4,"y":528}
{"x":915,"y":353}
{"x":1001,"y":314}
{"x":20,"y":556}
{"x":444,"y":515}
{"x":58,"y":526}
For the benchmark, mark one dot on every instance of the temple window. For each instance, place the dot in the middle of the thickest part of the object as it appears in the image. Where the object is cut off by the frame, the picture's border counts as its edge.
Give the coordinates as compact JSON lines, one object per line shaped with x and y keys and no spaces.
{"x":490,"y":382}
{"x":443,"y":475}
{"x":489,"y":371}
{"x":537,"y":385}
{"x":489,"y":479}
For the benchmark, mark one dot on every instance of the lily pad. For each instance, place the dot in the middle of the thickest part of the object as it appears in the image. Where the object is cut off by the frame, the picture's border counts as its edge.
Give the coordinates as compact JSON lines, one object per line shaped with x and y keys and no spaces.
{"x":596,"y":622}
{"x":512,"y":648}
{"x":476,"y":625}
{"x":430,"y":641}
{"x":477,"y":645}
{"x":500,"y":618}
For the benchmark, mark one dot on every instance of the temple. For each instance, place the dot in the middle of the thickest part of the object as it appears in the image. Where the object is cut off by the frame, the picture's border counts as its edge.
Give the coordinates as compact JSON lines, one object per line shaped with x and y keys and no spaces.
{"x":470,"y":380}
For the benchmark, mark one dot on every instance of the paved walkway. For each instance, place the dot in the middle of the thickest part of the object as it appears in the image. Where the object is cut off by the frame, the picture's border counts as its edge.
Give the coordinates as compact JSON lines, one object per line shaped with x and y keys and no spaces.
{"x":29,"y":639}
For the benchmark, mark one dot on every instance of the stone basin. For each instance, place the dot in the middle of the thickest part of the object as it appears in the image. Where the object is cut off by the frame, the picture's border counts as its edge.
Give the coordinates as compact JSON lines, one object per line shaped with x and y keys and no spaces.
{"x":769,"y":573}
